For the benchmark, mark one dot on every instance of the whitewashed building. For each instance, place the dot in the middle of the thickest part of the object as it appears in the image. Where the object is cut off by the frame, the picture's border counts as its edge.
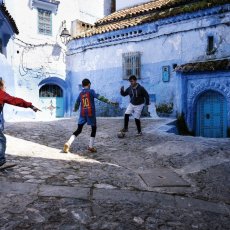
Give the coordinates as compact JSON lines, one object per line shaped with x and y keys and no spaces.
{"x":38,"y":55}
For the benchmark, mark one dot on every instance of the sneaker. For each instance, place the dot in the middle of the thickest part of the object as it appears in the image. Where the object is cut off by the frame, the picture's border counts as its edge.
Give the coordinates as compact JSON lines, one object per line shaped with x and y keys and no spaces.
{"x":139,"y":134}
{"x":66,"y":148}
{"x":92,"y":150}
{"x":124,"y":130}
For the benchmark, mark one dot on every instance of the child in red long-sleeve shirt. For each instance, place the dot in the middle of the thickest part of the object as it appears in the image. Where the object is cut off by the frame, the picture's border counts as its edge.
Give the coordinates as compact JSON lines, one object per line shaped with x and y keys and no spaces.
{"x":8,"y":99}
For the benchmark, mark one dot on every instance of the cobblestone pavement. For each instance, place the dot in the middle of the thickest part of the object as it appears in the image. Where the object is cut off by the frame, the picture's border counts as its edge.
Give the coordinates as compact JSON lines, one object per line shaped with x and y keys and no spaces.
{"x":156,"y":181}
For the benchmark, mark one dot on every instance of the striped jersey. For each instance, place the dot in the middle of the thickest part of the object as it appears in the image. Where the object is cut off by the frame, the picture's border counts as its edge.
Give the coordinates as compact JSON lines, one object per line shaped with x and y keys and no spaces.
{"x":86,"y":99}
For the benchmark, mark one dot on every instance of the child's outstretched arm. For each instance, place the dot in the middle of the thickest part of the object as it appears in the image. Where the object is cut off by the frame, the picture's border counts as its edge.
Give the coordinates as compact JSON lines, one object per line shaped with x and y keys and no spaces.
{"x":105,"y":100}
{"x":77,"y":104}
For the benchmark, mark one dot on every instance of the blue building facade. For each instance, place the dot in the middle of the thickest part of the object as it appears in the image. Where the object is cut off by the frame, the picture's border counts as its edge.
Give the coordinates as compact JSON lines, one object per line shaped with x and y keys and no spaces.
{"x":8,"y":29}
{"x":178,"y":49}
{"x":206,"y":97}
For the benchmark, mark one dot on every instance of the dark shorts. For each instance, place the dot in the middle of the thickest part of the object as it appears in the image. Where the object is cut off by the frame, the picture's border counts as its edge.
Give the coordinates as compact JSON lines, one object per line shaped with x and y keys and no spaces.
{"x":89,"y":120}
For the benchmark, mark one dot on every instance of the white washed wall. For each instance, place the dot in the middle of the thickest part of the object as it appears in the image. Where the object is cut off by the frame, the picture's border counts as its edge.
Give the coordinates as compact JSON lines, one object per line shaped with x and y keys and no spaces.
{"x":31,"y":64}
{"x":91,"y":11}
{"x":121,"y":4}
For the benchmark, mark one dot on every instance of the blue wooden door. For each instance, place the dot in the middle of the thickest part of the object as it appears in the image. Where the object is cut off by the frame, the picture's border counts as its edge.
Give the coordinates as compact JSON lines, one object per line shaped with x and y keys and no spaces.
{"x":52,"y":100}
{"x":52,"y":106}
{"x":59,"y":107}
{"x":211,"y":119}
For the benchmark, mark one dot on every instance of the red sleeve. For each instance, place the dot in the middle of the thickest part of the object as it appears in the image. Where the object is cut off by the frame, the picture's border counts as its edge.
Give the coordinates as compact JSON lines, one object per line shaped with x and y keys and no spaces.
{"x":15,"y":101}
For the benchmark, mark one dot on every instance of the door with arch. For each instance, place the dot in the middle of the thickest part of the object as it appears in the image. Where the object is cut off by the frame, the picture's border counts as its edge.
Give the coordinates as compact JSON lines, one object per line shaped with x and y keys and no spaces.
{"x":52,"y":101}
{"x":211,"y":119}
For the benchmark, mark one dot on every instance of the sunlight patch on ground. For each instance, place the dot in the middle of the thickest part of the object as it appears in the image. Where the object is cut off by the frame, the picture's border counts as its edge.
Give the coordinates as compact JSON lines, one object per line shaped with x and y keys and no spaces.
{"x":19,"y":147}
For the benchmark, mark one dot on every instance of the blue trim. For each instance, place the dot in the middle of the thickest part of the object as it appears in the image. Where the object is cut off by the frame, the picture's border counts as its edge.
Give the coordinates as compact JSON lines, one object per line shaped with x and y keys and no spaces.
{"x":55,"y":81}
{"x":45,"y":4}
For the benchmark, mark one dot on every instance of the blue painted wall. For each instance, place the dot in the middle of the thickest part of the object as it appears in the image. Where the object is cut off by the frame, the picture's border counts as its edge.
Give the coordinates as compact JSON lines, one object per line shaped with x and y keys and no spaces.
{"x":6,"y":70}
{"x":167,"y":42}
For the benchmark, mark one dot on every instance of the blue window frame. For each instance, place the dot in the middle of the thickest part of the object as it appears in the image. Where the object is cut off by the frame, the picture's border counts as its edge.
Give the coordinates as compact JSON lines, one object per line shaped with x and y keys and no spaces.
{"x":44,"y":22}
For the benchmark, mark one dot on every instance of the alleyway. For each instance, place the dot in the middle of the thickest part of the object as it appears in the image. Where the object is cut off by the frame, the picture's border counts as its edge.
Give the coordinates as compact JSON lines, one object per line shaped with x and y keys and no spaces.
{"x":156,"y":181}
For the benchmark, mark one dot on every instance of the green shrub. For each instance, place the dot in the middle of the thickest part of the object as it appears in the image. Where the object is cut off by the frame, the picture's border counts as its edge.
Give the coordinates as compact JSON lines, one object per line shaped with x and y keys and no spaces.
{"x":164,"y":108}
{"x":182,"y":126}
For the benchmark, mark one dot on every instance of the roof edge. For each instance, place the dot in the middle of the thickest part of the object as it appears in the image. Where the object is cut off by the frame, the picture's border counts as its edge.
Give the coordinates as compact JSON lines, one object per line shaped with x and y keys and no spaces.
{"x":9,"y":18}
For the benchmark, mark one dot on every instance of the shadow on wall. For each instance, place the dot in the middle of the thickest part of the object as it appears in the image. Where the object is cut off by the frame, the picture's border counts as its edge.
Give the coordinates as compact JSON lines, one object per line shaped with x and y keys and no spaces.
{"x":106,"y":110}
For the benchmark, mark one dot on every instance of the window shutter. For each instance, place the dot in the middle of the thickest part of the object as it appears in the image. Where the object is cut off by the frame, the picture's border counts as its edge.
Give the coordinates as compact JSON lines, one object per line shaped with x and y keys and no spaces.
{"x":44,"y":22}
{"x":131,"y":64}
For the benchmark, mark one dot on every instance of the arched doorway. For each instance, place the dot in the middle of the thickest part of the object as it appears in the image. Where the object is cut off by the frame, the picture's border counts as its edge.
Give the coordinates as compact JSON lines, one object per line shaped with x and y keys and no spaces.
{"x":51,"y":98}
{"x":211,"y":116}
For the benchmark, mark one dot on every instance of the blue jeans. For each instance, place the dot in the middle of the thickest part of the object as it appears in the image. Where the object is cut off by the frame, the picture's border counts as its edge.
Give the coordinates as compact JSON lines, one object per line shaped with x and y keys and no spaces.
{"x":2,"y":148}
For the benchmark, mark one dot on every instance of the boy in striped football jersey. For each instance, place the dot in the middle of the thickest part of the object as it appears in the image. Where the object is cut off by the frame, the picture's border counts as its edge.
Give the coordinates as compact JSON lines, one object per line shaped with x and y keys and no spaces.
{"x":86,"y":103}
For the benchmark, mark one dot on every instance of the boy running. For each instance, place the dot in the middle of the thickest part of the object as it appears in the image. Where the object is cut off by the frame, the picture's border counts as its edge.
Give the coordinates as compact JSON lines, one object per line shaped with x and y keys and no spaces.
{"x":87,"y":114}
{"x":138,"y":98}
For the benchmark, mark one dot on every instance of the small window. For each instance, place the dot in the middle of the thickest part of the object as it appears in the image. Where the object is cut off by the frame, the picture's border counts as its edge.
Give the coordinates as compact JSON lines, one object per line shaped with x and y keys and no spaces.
{"x":131,"y":64}
{"x":1,"y":46}
{"x":210,"y":45}
{"x":113,"y":6}
{"x":44,"y":22}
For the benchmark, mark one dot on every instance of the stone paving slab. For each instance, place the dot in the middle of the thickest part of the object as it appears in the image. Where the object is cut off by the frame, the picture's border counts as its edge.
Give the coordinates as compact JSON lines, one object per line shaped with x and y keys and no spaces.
{"x":18,"y":188}
{"x":160,"y":199}
{"x":163,"y":177}
{"x":64,"y":191}
{"x":114,"y":195}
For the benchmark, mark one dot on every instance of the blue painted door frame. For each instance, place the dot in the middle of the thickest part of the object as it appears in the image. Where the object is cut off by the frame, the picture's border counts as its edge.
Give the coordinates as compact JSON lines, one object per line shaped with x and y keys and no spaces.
{"x":211,"y":119}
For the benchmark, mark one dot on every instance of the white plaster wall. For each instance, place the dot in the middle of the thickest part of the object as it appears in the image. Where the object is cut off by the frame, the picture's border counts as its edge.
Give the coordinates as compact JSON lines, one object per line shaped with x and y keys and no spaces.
{"x":93,"y":10}
{"x":121,"y":4}
{"x":32,"y":64}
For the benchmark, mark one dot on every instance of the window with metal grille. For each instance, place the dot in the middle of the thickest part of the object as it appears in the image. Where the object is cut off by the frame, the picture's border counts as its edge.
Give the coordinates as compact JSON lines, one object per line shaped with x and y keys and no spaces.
{"x":211,"y":45}
{"x":50,"y":91}
{"x":44,"y":22}
{"x":131,"y":64}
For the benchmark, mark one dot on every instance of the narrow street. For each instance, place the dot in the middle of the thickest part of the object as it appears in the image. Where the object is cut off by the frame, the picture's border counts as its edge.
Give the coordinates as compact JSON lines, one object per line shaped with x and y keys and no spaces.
{"x":156,"y":181}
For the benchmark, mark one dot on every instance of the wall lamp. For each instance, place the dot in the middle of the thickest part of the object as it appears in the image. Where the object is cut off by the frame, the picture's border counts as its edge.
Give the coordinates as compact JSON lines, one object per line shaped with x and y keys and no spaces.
{"x":65,"y":35}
